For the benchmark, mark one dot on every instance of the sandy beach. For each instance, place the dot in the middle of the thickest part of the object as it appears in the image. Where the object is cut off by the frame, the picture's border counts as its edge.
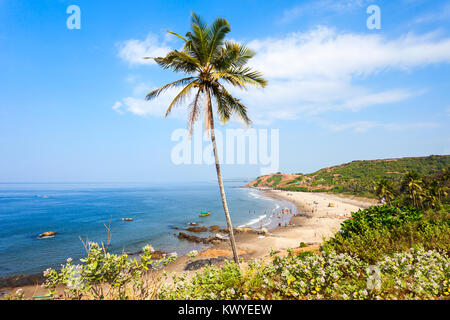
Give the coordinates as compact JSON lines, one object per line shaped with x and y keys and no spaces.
{"x":319,"y":216}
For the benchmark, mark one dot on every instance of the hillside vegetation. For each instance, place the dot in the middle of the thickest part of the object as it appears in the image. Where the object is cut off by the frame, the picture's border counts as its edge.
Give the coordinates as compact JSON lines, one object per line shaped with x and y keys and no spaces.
{"x":356,"y":177}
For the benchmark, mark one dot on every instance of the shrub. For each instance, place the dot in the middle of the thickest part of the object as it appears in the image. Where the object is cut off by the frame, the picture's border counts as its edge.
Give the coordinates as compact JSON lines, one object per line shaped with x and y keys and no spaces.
{"x":376,"y":231}
{"x":328,"y":275}
{"x":102,"y":275}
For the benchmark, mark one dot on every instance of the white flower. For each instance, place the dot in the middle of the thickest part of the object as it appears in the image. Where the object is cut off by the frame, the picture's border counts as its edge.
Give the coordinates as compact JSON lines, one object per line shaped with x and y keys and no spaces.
{"x":69,"y":260}
{"x":193,"y":253}
{"x":149,"y":248}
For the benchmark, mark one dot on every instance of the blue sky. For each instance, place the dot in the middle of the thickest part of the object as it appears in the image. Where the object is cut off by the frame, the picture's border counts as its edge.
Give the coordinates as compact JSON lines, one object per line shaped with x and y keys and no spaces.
{"x":72,"y":104}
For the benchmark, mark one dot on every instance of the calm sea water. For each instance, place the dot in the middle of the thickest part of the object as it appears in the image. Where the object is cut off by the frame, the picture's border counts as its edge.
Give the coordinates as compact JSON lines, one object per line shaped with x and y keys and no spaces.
{"x":81,"y":210}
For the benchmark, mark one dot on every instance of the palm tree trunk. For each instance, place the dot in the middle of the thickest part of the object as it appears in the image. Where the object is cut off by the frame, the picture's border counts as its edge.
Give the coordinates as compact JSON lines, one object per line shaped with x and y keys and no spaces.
{"x":219,"y":178}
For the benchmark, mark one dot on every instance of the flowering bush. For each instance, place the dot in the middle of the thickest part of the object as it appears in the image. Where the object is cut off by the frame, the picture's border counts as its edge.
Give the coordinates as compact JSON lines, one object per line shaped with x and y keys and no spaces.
{"x":377,"y":231}
{"x":103,"y":275}
{"x":417,"y":274}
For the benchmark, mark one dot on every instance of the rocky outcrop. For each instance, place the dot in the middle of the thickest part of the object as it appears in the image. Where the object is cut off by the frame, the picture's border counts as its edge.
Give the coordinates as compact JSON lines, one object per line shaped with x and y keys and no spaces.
{"x":263,"y":231}
{"x":156,"y":255}
{"x":194,"y":265}
{"x":216,"y":229}
{"x":192,"y":238}
{"x":197,"y":229}
{"x":243,"y":230}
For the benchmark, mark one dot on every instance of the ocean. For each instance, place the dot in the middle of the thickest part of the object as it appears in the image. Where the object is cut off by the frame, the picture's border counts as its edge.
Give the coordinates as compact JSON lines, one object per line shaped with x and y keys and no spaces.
{"x":82,"y":210}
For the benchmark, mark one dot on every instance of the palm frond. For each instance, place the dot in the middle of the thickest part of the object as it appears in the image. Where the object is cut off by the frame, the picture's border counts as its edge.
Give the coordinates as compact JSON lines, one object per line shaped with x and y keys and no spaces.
{"x":232,"y":55}
{"x":217,"y":32}
{"x":177,"y":35}
{"x":234,"y":105}
{"x":241,"y":77}
{"x":179,"y":61}
{"x":194,"y":111}
{"x":155,"y":93}
{"x":198,"y":38}
{"x":181,"y":96}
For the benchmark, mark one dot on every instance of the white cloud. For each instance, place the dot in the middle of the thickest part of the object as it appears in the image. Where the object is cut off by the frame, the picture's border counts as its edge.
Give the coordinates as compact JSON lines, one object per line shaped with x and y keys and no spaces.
{"x":134,"y":50}
{"x":117,"y":107}
{"x":154,"y":108}
{"x":325,"y":53}
{"x":442,"y":14}
{"x":313,"y":72}
{"x":315,"y":6}
{"x":364,"y":126}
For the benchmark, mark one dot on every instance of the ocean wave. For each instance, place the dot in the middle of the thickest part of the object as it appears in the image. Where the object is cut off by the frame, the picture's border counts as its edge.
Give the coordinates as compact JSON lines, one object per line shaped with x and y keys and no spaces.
{"x":257,"y":195}
{"x":254,"y":221}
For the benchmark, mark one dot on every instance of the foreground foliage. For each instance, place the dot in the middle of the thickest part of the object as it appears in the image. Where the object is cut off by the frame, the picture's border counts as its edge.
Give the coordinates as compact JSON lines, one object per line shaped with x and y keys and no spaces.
{"x":379,"y":230}
{"x":383,"y":252}
{"x":417,"y":274}
{"x":102,"y":275}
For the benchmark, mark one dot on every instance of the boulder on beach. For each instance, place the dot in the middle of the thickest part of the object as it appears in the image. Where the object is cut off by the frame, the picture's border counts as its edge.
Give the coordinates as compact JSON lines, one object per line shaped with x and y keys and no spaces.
{"x":262,"y":231}
{"x":47,"y":234}
{"x":215,"y":229}
{"x":194,"y":265}
{"x":157,"y":255}
{"x":191,"y":238}
{"x":197,"y":229}
{"x":243,"y":230}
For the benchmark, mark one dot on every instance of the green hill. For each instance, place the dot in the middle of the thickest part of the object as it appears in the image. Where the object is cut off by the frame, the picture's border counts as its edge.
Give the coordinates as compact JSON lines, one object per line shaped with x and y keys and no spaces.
{"x":355,"y":177}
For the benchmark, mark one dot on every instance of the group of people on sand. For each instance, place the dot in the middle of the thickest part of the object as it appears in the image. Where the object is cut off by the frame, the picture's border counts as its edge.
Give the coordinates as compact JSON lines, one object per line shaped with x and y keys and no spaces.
{"x":284,"y":212}
{"x":280,"y":215}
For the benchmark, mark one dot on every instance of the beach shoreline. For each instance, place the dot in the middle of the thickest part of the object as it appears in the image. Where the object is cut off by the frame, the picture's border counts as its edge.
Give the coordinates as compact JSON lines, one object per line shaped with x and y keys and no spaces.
{"x":314,"y":221}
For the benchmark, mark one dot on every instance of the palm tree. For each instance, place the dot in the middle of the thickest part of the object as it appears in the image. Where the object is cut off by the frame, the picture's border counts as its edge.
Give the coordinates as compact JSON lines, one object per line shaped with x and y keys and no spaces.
{"x":384,"y":189}
{"x":209,"y":62}
{"x":412,"y":184}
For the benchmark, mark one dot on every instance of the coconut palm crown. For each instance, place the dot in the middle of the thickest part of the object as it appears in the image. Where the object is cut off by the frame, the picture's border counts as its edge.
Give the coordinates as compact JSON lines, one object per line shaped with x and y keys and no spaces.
{"x":209,"y":62}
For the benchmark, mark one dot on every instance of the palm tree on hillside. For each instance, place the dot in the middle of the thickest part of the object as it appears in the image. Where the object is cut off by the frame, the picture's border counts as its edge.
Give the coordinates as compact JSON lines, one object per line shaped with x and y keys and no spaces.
{"x":384,"y":189}
{"x":209,"y":63}
{"x":412,"y":184}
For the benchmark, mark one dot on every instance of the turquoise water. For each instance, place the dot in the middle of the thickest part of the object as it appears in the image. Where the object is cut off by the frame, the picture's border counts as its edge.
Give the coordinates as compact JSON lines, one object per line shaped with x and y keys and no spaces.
{"x":81,"y":210}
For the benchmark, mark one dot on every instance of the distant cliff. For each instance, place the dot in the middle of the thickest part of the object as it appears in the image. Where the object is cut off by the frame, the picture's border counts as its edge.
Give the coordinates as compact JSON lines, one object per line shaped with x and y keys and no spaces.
{"x":355,"y":177}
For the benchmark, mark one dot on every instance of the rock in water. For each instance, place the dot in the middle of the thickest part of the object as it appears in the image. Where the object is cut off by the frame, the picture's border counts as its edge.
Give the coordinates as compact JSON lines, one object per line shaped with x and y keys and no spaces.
{"x":197,"y":229}
{"x":208,"y":240}
{"x":47,"y":234}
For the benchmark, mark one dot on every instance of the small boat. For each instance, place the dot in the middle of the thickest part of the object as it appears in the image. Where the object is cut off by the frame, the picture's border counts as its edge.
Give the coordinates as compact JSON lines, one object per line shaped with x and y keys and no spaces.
{"x":205,"y":214}
{"x":47,"y":234}
{"x":127,"y":219}
{"x":193,"y":224}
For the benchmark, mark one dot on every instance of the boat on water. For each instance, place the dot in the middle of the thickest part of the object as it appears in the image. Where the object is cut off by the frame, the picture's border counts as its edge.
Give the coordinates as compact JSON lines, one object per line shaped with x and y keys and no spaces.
{"x":205,"y":214}
{"x":127,"y":219}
